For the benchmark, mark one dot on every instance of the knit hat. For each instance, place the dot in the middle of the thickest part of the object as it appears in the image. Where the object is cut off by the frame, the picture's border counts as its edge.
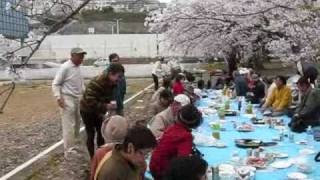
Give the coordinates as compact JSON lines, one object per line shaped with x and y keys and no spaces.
{"x":114,"y":129}
{"x":182,"y":99}
{"x":190,"y":116}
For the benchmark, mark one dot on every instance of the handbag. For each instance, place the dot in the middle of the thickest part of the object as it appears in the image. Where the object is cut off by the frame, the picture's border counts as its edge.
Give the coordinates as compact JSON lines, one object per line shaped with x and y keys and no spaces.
{"x":195,"y":151}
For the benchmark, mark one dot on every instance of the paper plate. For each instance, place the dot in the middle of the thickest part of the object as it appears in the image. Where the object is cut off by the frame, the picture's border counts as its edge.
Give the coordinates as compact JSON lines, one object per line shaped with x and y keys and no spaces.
{"x":281,"y":155}
{"x":297,"y":176}
{"x":307,"y":152}
{"x":281,"y":164}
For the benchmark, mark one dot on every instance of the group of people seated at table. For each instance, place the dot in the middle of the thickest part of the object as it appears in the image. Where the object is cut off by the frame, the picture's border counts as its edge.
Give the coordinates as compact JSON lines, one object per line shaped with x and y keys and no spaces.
{"x":275,"y":97}
{"x":168,"y":136}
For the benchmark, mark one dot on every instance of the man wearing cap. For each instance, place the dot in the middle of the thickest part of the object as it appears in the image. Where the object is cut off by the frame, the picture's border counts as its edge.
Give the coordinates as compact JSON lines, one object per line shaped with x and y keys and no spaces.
{"x":68,"y":87}
{"x":167,"y":117}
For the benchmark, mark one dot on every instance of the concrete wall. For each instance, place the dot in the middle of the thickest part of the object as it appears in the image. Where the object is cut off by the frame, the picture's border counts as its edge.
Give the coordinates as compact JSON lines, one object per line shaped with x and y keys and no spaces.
{"x":127,"y":45}
{"x":132,"y":71}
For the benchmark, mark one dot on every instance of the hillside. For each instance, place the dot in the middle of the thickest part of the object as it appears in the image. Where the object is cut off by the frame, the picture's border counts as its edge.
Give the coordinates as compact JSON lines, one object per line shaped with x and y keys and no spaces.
{"x":102,"y":22}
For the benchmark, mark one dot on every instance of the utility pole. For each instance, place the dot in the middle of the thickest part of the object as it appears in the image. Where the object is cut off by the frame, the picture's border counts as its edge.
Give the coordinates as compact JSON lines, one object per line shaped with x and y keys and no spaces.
{"x":118,"y":25}
{"x":112,"y":29}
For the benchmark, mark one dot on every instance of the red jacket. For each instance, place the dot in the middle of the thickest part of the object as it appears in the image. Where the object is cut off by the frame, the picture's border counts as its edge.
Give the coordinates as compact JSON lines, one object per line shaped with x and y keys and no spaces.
{"x":178,"y":88}
{"x":176,"y":141}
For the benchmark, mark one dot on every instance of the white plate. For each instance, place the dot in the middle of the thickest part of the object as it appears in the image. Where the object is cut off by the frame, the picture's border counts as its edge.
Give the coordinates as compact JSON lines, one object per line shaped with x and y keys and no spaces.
{"x":306,"y":152}
{"x":282,"y":155}
{"x":281,"y":164}
{"x":297,"y":176}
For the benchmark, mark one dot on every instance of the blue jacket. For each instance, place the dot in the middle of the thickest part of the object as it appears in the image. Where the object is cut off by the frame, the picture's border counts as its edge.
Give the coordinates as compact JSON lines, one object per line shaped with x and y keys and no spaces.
{"x":120,"y":92}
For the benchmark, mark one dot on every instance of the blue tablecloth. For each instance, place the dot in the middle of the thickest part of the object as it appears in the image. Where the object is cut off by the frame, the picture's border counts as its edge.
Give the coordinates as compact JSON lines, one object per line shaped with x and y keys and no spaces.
{"x":215,"y":156}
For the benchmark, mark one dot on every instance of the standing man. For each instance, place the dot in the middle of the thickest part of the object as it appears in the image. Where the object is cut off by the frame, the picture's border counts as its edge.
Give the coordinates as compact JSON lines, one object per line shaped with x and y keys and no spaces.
{"x":156,"y":72}
{"x":67,"y":87}
{"x":121,"y":90}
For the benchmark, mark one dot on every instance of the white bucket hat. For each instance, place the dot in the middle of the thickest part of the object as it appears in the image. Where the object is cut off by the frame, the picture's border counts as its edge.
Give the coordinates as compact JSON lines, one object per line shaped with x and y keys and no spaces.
{"x":182,"y":99}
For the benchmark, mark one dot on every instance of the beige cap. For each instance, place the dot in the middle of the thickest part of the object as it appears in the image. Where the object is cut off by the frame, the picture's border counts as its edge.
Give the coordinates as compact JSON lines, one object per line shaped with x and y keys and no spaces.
{"x":78,"y":51}
{"x":114,"y":129}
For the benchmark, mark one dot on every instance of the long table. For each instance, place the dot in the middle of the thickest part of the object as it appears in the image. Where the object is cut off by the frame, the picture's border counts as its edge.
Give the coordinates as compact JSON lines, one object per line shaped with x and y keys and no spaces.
{"x":215,"y":156}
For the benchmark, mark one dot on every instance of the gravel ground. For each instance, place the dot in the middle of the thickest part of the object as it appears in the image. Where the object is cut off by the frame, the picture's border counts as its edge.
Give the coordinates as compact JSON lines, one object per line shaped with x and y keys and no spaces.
{"x":78,"y":167}
{"x":31,"y":123}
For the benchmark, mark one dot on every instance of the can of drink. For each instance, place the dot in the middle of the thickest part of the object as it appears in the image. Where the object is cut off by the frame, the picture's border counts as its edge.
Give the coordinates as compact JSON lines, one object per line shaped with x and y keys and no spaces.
{"x":249,"y":152}
{"x":256,"y":153}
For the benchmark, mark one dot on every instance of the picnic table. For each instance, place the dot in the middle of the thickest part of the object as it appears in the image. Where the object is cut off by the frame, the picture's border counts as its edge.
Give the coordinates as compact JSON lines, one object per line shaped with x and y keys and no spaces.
{"x":215,"y":156}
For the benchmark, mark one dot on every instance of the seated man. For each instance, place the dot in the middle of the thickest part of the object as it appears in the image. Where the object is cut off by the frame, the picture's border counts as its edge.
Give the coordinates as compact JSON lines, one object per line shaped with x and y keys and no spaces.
{"x":280,"y":98}
{"x":128,"y":157}
{"x":167,"y":117}
{"x":307,"y":112}
{"x":240,"y":84}
{"x":166,"y":84}
{"x":165,"y":99}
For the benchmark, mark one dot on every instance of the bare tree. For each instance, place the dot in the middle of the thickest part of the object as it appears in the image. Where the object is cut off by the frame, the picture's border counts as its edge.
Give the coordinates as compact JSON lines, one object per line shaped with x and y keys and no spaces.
{"x":43,"y":17}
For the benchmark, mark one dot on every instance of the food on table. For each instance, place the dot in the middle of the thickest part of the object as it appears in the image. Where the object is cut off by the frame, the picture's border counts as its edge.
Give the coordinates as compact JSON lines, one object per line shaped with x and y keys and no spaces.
{"x":255,"y":120}
{"x":257,"y":162}
{"x":245,"y":128}
{"x":248,"y":143}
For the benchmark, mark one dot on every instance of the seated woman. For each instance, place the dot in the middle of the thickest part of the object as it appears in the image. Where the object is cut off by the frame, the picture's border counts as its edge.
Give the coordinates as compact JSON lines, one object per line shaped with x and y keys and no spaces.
{"x":257,"y":93}
{"x":178,"y":87}
{"x":201,"y":84}
{"x":187,"y":168}
{"x":176,"y":141}
{"x":128,"y":158}
{"x":113,"y":131}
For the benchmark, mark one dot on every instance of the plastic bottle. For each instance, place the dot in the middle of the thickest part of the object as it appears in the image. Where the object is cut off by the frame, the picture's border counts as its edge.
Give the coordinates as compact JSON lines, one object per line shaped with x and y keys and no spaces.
{"x":309,"y":135}
{"x":239,"y":105}
{"x":249,"y":108}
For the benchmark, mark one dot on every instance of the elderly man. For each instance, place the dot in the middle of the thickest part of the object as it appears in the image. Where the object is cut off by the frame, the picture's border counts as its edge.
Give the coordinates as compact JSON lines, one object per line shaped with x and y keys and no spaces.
{"x":307,"y":112}
{"x":162,"y":103}
{"x":167,"y":117}
{"x":67,"y":87}
{"x":280,"y":98}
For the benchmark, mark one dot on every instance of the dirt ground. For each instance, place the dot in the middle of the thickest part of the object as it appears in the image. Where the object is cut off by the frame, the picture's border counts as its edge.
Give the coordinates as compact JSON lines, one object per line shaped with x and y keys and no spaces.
{"x":31,"y":123}
{"x":78,"y":167}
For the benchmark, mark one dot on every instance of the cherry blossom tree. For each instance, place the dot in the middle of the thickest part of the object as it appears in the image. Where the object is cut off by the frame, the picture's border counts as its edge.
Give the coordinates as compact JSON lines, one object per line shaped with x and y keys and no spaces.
{"x":241,"y":30}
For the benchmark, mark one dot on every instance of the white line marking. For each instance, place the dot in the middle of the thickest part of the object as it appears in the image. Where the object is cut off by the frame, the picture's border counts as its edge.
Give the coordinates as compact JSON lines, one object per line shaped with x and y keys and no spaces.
{"x":56,"y":145}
